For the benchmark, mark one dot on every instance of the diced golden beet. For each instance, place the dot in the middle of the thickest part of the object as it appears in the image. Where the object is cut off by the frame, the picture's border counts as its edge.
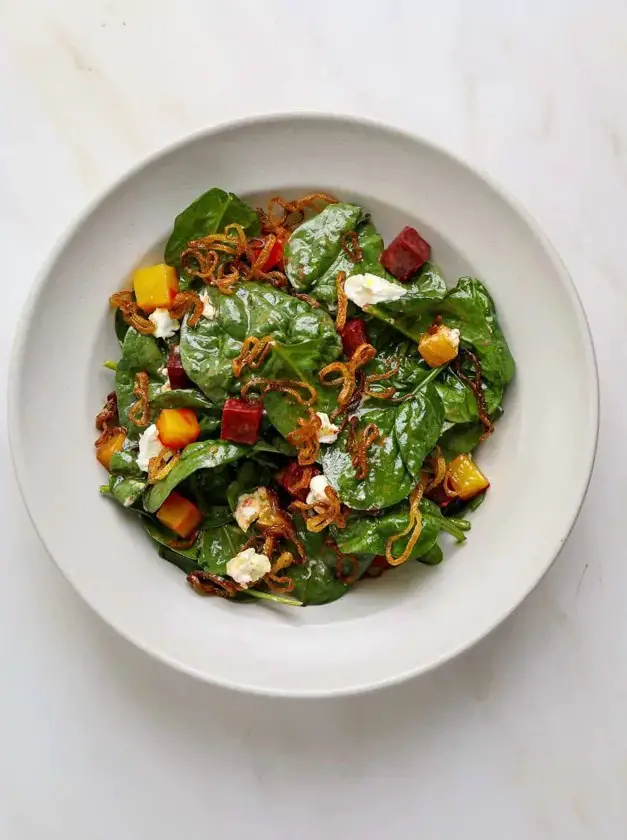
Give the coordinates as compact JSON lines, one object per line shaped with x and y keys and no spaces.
{"x":112,"y":444}
{"x":178,"y":427}
{"x":179,"y":515}
{"x":155,"y":286}
{"x":466,"y":478}
{"x":439,"y":345}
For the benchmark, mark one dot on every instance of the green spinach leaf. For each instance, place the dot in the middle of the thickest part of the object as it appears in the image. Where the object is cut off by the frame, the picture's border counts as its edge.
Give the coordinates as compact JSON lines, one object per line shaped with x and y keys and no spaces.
{"x":139,"y":353}
{"x":126,"y":491}
{"x":162,"y":535}
{"x":433,"y":556}
{"x":460,"y":405}
{"x":469,"y":308}
{"x":218,"y":546}
{"x":417,"y":427}
{"x":184,"y":398}
{"x":315,"y":245}
{"x":210,"y":213}
{"x":124,"y":462}
{"x":206,"y":455}
{"x":259,"y":310}
{"x":414,"y":312}
{"x":315,"y":581}
{"x":388,"y":480}
{"x":185,"y":564}
{"x":461,"y":439}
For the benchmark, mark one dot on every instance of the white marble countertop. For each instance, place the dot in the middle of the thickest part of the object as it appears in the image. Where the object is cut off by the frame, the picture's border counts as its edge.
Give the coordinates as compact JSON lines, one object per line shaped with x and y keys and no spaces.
{"x":526,"y":735}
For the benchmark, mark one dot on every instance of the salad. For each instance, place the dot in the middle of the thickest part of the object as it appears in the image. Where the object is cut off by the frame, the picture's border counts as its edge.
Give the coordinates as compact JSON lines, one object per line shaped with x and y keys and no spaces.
{"x":296,"y":406}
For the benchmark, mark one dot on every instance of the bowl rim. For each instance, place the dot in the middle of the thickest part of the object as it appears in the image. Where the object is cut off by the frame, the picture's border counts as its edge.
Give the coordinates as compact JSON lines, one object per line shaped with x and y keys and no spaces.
{"x":16,"y":447}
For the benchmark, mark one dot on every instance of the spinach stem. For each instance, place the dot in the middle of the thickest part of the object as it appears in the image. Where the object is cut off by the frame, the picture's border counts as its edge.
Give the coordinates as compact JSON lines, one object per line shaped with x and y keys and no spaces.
{"x":110,"y":365}
{"x":105,"y":489}
{"x":455,"y":527}
{"x":279,"y":599}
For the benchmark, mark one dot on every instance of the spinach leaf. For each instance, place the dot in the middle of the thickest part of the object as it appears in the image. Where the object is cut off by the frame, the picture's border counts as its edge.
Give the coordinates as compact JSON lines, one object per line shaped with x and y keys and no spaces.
{"x":206,"y":455}
{"x":249,"y":476}
{"x":469,"y":308}
{"x":414,"y":312}
{"x":139,"y":353}
{"x":185,"y":564}
{"x":126,"y":491}
{"x":461,"y":439}
{"x":433,"y":556}
{"x":315,"y":581}
{"x":259,"y":310}
{"x":184,"y":398}
{"x":218,"y":546}
{"x":210,"y":213}
{"x":162,"y":535}
{"x":124,"y":462}
{"x":370,"y":534}
{"x":316,"y":244}
{"x":121,"y":327}
{"x":388,"y":480}
{"x":460,"y":405}
{"x":216,"y":515}
{"x":324,"y":288}
{"x":417,"y":427}
{"x":209,"y":487}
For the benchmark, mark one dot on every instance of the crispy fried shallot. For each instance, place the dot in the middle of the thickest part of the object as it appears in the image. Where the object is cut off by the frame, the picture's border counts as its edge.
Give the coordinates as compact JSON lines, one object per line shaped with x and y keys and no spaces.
{"x":342,"y":301}
{"x":302,"y":296}
{"x":358,"y":444}
{"x":329,"y":512}
{"x":285,"y":386}
{"x":414,"y":527}
{"x":342,"y":559}
{"x":139,"y":412}
{"x":109,"y":414}
{"x":253,"y":354}
{"x":290,"y":213}
{"x":474,"y":383}
{"x":305,"y":438}
{"x":351,"y":247}
{"x":108,"y":433}
{"x":437,"y":468}
{"x":372,"y":378}
{"x":125,"y":302}
{"x":161,"y":464}
{"x":188,"y":542}
{"x":205,"y":583}
{"x":185,"y":302}
{"x":346,"y":376}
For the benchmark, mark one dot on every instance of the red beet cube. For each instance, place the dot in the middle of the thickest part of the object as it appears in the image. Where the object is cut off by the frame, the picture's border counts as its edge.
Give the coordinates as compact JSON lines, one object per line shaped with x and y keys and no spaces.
{"x":353,"y":335}
{"x":291,"y":476}
{"x":406,"y":254}
{"x":241,"y":421}
{"x":176,"y":373}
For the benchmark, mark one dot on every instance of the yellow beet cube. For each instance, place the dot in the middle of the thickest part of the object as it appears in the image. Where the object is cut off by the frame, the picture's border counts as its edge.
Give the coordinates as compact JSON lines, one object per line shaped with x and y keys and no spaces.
{"x":113,"y":442}
{"x":465,"y":477}
{"x":439,"y":345}
{"x":155,"y":286}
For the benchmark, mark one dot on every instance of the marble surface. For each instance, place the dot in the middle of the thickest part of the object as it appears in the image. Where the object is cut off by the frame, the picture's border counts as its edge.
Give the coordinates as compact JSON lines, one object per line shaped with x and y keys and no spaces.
{"x":523,"y":737}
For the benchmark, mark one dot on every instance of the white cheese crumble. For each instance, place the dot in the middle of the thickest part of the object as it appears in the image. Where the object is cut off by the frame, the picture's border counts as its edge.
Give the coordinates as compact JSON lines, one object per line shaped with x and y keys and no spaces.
{"x":251,"y":506}
{"x":368,"y":289}
{"x":167,"y":385}
{"x":208,"y":309}
{"x":165,"y":327}
{"x":317,"y":486}
{"x":149,"y":447}
{"x":248,"y":567}
{"x":328,"y":432}
{"x":452,"y":336}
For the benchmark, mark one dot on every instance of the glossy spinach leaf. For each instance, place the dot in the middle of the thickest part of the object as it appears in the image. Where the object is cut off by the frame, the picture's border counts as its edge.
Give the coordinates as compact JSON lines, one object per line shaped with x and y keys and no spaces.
{"x":315,"y":581}
{"x":324,"y":289}
{"x":315,"y":245}
{"x":216,"y":515}
{"x":185,"y":564}
{"x":414,"y":312}
{"x":121,"y":327}
{"x":469,"y":308}
{"x":433,"y":556}
{"x":184,"y":398}
{"x":218,"y":546}
{"x":370,"y":534}
{"x":460,"y":405}
{"x":124,"y":462}
{"x":461,"y":439}
{"x":210,"y":213}
{"x":162,"y":535}
{"x":206,"y":455}
{"x":139,"y":353}
{"x":126,"y":491}
{"x":259,"y":310}
{"x":417,"y":427}
{"x":209,"y":487}
{"x":388,"y":480}
{"x":249,"y":476}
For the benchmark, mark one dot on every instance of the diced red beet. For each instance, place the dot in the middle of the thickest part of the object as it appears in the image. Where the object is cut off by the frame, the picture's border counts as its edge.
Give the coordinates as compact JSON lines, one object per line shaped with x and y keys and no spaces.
{"x":176,"y":373}
{"x":293,"y":474}
{"x":353,"y":335}
{"x":406,"y":254}
{"x":241,"y":421}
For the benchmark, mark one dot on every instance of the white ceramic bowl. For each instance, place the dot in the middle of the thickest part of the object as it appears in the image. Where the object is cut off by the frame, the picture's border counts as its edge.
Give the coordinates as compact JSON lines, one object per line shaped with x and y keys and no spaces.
{"x":539,"y":460}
